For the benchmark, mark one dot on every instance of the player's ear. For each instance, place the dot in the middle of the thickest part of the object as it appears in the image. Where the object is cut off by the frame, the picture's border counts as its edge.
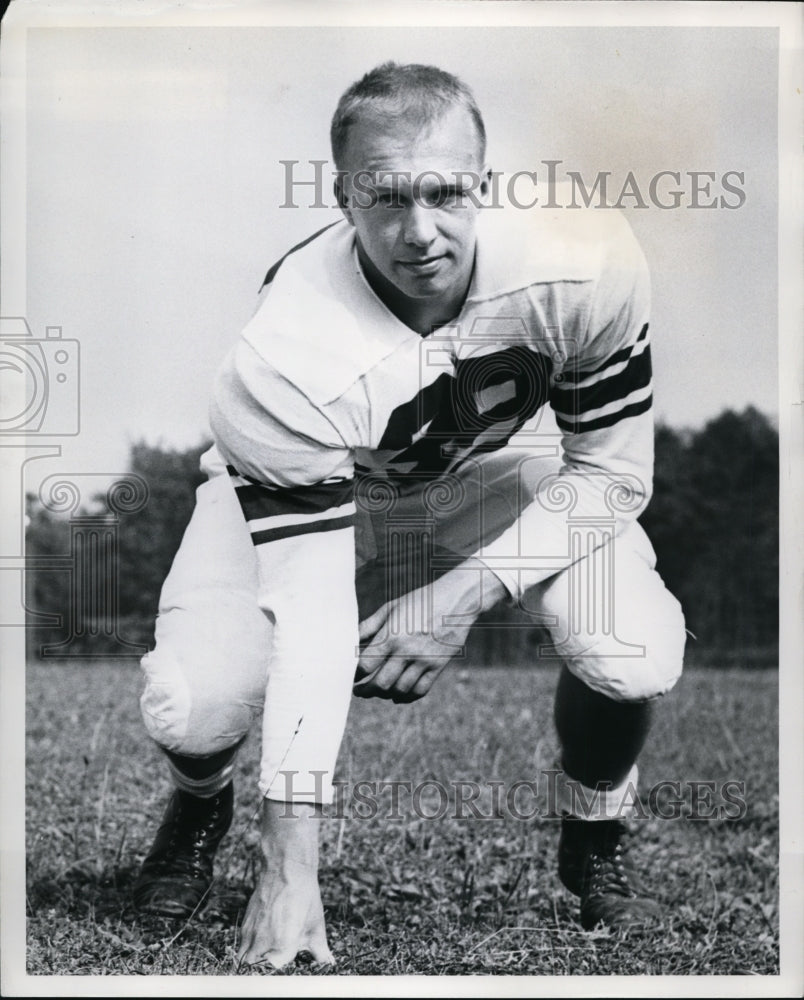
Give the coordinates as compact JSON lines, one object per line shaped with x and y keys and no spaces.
{"x":340,"y":195}
{"x":485,"y":183}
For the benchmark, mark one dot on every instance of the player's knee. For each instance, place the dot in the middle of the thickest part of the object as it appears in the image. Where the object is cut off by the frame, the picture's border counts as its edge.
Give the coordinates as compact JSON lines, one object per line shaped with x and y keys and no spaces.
{"x":165,"y":703}
{"x":664,"y":651}
{"x":194,"y":722}
{"x":201,"y":693}
{"x":646,"y":676}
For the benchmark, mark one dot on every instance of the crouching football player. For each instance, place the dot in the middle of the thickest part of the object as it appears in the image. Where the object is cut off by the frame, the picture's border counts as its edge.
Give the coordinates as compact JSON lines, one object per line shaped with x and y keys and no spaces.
{"x":394,"y":374}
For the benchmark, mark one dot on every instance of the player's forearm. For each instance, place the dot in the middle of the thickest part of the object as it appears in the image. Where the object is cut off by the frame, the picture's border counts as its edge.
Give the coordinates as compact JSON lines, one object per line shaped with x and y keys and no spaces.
{"x":475,"y":587}
{"x":575,"y":511}
{"x":289,"y":834}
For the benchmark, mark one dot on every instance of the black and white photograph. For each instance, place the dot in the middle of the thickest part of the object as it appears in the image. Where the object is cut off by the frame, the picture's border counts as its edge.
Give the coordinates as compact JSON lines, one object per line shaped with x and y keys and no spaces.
{"x":401,"y":438}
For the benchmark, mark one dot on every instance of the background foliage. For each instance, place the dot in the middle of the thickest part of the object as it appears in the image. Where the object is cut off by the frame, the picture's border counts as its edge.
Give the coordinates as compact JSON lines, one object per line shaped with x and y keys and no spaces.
{"x":713,"y":521}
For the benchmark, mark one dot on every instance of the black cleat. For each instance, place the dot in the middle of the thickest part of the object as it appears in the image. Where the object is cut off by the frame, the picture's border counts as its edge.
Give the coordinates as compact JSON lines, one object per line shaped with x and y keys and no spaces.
{"x":177,"y":873}
{"x":592,"y":865}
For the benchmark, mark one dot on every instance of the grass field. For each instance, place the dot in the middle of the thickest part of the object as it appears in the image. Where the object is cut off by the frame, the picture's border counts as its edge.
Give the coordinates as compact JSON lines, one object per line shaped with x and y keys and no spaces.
{"x":455,"y":895}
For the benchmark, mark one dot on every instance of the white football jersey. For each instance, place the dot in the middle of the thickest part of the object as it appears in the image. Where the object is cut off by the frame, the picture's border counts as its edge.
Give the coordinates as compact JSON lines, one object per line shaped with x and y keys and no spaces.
{"x":333,"y":415}
{"x":327,"y":389}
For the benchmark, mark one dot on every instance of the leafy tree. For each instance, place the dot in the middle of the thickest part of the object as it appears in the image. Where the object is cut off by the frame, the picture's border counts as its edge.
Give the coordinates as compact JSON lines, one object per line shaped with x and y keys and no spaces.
{"x":150,"y":538}
{"x":147,"y":542}
{"x":714,"y":524}
{"x":713,"y":521}
{"x":47,"y":590}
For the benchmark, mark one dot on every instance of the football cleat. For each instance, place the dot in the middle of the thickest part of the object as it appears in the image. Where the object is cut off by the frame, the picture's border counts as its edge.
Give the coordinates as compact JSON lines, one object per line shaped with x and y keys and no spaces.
{"x":176,"y":876}
{"x":592,"y":864}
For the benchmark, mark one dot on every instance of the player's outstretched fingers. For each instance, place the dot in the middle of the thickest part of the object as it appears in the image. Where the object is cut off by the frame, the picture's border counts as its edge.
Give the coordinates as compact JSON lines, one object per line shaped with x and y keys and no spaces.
{"x":284,"y":917}
{"x":370,"y":626}
{"x":317,"y":943}
{"x":381,"y":683}
{"x":424,"y":683}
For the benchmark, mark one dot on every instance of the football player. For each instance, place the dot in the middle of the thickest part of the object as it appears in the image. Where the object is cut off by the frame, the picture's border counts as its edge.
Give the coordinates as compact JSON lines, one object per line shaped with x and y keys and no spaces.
{"x":383,"y":456}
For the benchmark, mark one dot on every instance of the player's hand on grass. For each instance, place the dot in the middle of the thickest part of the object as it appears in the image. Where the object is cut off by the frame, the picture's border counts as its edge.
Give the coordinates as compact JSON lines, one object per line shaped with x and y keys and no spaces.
{"x":285,"y":915}
{"x":408,"y":641}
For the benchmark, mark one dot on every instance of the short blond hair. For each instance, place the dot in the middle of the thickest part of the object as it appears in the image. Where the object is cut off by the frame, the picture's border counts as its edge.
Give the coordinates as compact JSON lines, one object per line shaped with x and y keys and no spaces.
{"x":403,"y":91}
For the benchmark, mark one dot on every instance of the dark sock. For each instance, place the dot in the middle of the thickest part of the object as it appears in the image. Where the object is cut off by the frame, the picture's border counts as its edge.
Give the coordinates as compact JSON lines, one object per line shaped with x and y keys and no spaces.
{"x":203,"y":777}
{"x":199,"y":768}
{"x":600,"y":738}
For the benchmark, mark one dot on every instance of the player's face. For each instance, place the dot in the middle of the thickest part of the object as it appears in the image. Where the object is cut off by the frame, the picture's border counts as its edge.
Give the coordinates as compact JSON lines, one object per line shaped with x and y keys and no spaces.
{"x":406,"y":192}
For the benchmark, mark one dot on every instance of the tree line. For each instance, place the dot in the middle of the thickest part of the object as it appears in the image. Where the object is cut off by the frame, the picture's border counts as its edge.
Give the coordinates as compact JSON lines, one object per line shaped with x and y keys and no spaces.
{"x":713,"y":521}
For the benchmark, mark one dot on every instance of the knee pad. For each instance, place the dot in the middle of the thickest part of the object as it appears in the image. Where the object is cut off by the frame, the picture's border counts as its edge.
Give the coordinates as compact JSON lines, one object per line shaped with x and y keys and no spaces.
{"x":206,"y":677}
{"x":205,"y":680}
{"x":629,"y":647}
{"x":165,"y":702}
{"x":640,"y":677}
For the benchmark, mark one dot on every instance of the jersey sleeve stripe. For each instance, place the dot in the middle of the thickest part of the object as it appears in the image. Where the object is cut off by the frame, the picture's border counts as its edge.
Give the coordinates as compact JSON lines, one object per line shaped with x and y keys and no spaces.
{"x":292,"y":530}
{"x":599,"y":423}
{"x":283,"y":520}
{"x":274,"y":513}
{"x":640,"y":347}
{"x":616,"y":404}
{"x":578,"y":401}
{"x":263,"y":501}
{"x":622,"y":355}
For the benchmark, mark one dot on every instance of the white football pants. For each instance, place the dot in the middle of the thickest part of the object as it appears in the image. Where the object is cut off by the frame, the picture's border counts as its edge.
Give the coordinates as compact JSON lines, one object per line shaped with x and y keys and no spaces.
{"x":234,"y":639}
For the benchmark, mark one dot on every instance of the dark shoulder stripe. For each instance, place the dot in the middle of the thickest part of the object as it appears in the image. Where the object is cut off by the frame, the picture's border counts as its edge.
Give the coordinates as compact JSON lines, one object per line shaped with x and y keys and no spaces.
{"x":616,"y":358}
{"x":580,"y":426}
{"x":261,"y":501}
{"x":576,"y":401}
{"x":309,"y":527}
{"x":269,"y":277}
